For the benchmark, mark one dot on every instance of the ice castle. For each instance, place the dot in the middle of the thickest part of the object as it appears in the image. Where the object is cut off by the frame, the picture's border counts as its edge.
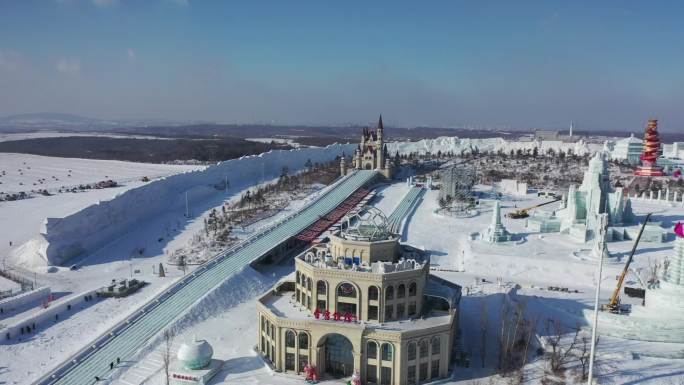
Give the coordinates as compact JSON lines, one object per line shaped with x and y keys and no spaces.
{"x":580,"y":211}
{"x":667,"y":297}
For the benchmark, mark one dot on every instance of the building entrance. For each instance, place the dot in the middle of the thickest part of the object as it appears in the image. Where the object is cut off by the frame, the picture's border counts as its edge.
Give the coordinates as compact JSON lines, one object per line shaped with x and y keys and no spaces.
{"x":339,"y":356}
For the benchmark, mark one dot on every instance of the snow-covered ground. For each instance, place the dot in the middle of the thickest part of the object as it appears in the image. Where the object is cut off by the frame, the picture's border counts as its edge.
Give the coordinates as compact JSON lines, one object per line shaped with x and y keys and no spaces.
{"x":120,"y":259}
{"x":525,"y":268}
{"x":24,"y":172}
{"x":6,"y":284}
{"x":287,"y":141}
{"x":533,"y":262}
{"x":9,"y":137}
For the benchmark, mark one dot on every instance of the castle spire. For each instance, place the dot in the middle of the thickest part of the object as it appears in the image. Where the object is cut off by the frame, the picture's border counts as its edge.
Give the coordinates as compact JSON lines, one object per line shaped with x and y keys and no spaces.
{"x":380,"y":123}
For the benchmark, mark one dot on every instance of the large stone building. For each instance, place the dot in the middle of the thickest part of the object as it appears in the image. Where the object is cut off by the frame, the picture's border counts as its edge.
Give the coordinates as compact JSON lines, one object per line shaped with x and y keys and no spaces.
{"x":361,"y":303}
{"x":371,"y":154}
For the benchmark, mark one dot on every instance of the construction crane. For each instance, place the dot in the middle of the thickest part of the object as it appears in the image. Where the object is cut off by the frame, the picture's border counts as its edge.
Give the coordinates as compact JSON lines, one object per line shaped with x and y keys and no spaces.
{"x":523,"y":213}
{"x":614,"y":304}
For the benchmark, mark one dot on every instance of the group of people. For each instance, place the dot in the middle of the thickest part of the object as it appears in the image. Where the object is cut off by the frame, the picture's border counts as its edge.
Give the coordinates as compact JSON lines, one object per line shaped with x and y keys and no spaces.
{"x":111,"y":367}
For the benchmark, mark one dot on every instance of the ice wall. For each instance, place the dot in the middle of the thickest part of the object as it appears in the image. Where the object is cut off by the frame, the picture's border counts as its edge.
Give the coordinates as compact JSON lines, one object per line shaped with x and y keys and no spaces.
{"x":93,"y":227}
{"x":456,"y":145}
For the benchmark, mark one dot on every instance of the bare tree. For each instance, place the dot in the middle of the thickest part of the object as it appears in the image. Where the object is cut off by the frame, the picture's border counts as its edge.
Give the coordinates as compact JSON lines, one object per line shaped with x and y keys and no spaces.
{"x":559,"y":355}
{"x":166,"y":353}
{"x":182,"y":263}
{"x":583,"y":353}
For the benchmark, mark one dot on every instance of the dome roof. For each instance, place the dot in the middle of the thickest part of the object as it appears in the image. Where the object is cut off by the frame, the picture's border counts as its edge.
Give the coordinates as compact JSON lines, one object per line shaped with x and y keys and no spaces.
{"x":368,"y":223}
{"x":195,"y":354}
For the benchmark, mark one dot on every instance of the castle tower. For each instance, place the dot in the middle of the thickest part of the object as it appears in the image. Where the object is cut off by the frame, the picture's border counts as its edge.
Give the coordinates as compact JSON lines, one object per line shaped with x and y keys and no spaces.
{"x":343,"y":166}
{"x":379,"y":145}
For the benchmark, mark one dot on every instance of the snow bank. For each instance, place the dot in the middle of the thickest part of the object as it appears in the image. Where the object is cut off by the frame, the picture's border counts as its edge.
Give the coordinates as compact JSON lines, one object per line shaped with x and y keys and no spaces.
{"x":455,"y":145}
{"x":23,"y":299}
{"x":47,"y":316}
{"x":97,"y":225}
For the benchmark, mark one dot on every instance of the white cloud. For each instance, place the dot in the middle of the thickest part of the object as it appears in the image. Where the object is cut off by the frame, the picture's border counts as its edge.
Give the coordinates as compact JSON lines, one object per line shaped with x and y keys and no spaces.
{"x":71,"y":66}
{"x":131,"y":55}
{"x":10,"y":60}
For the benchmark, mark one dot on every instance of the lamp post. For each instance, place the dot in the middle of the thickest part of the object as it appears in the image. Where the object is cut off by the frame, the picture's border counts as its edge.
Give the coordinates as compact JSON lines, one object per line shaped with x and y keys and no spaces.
{"x":596,"y":307}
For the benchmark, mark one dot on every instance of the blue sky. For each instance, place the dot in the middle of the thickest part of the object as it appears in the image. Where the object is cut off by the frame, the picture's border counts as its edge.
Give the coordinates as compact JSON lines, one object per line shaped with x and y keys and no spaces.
{"x":604,"y":65}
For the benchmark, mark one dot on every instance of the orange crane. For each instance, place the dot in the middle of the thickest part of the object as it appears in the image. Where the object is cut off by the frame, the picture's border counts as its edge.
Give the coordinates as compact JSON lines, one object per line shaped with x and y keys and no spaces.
{"x":523,"y":213}
{"x":614,"y":304}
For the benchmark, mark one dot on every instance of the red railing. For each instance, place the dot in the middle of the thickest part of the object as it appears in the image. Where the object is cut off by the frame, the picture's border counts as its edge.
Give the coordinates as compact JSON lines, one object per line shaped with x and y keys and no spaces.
{"x":312,"y":232}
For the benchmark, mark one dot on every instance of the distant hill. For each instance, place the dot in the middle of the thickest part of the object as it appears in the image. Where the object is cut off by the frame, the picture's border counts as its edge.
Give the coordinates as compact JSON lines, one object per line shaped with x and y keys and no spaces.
{"x":54,"y":121}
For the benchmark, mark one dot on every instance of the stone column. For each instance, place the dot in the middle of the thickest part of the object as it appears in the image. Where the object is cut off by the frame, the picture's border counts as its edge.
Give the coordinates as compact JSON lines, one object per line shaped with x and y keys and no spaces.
{"x":319,"y":363}
{"x":660,"y":194}
{"x":357,"y":360}
{"x":667,"y":195}
{"x":650,"y":195}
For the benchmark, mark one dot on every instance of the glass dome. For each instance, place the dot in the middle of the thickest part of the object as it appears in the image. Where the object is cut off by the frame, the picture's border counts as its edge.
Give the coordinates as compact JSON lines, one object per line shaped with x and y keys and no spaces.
{"x":367,"y":223}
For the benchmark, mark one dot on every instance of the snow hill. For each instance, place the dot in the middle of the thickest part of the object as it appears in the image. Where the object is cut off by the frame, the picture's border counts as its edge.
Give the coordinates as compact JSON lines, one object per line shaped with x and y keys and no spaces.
{"x":455,"y":145}
{"x":93,"y":227}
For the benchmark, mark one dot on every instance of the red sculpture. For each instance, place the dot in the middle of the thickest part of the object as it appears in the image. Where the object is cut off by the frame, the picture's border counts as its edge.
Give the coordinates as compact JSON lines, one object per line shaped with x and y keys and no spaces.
{"x":679,"y":229}
{"x":317,"y":313}
{"x":651,"y":152}
{"x":336,"y":316}
{"x":310,"y":372}
{"x":326,"y":315}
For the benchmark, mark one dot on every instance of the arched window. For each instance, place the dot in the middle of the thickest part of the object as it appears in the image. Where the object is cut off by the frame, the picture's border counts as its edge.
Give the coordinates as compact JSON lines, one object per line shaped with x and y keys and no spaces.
{"x":389,"y":293}
{"x":303,"y":341}
{"x":435,"y":345}
{"x":411,"y":351}
{"x":298,"y":278}
{"x":321,"y":287}
{"x":423,"y":348}
{"x":387,"y":352}
{"x":401,"y":291}
{"x":371,"y":349}
{"x":290,"y":339}
{"x":346,"y":290}
{"x":373,"y":293}
{"x":308,"y":284}
{"x":412,"y":289}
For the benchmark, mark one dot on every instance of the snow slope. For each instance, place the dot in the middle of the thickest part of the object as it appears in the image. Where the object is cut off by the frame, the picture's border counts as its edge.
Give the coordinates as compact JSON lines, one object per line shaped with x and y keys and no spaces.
{"x":91,"y":228}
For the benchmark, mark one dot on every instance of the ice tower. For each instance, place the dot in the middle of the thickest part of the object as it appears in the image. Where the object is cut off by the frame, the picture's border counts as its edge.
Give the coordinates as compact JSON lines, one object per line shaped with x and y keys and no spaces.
{"x":496,"y":232}
{"x":667,"y":298}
